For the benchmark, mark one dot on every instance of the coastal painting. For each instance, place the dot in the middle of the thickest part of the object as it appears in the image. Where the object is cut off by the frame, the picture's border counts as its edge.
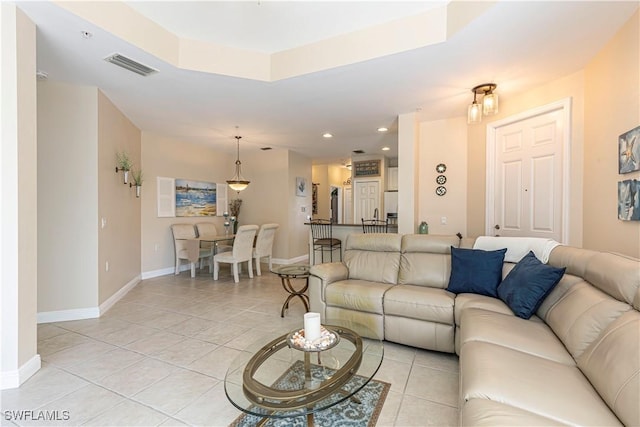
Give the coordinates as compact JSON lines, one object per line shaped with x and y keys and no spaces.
{"x":629,"y":200}
{"x":195,"y":198}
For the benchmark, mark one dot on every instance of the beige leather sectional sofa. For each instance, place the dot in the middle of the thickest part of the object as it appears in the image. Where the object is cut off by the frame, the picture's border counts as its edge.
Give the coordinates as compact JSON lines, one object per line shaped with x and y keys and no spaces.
{"x":575,"y":362}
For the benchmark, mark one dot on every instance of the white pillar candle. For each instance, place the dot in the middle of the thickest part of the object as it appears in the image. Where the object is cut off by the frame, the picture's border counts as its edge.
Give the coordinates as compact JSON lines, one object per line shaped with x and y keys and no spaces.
{"x":311,"y":326}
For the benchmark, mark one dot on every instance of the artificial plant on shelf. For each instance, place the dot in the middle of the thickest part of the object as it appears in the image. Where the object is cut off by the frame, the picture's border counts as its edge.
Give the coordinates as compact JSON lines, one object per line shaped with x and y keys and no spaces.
{"x":234,"y":209}
{"x":124,"y":164}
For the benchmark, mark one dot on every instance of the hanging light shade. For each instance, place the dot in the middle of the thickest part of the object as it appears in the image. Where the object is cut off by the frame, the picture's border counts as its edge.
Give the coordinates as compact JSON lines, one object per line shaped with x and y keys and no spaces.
{"x":238,"y":183}
{"x":489,"y":105}
{"x":474,"y":113}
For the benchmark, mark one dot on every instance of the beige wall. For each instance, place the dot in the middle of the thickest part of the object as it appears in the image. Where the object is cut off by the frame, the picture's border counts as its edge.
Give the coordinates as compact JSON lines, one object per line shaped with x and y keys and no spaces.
{"x":298,"y":232}
{"x":119,"y":241}
{"x":443,"y":141}
{"x":18,"y":192}
{"x":67,"y":196}
{"x":612,"y":98}
{"x":168,"y":157}
{"x":271,"y":197}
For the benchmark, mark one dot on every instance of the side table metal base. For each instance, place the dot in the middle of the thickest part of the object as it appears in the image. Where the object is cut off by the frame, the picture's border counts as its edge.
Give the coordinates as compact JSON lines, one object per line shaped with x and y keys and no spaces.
{"x":286,"y":284}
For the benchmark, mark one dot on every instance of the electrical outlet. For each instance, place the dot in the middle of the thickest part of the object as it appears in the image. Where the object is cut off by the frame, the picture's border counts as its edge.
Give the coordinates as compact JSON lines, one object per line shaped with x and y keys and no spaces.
{"x":103,"y":222}
{"x":106,"y":266}
{"x":155,"y":247}
{"x":443,"y":220}
{"x":303,"y":209}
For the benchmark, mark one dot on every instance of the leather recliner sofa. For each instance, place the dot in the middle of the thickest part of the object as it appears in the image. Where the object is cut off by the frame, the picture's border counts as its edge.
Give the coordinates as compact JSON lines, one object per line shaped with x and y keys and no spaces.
{"x":575,"y":362}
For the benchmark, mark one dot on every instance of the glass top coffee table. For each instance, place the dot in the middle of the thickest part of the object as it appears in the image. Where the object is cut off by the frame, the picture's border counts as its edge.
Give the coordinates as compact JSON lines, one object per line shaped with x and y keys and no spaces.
{"x":276,"y":378}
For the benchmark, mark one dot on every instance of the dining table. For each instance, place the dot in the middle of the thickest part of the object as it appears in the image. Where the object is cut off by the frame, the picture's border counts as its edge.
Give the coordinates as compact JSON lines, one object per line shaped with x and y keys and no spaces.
{"x":192,"y":247}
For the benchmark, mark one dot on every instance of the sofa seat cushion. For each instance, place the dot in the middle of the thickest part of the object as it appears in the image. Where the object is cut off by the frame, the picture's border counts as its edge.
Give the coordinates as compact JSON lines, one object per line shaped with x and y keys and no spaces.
{"x":419,"y":302}
{"x":534,"y":338}
{"x":485,"y":412}
{"x":359,"y":295}
{"x":549,"y":389}
{"x":466,"y":301}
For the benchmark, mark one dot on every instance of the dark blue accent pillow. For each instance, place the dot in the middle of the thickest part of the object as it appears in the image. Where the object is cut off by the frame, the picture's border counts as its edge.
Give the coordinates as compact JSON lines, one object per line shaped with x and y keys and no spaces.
{"x":528,"y":284}
{"x":476,"y":271}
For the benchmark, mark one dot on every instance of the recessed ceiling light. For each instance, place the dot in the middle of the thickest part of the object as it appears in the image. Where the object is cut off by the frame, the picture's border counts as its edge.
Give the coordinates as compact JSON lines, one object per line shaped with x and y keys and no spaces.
{"x":386,"y":148}
{"x":383,"y":129}
{"x":327,"y":135}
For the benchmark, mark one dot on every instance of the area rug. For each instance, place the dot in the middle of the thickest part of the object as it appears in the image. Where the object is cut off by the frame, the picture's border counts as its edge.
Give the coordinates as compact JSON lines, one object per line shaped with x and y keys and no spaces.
{"x":344,"y":414}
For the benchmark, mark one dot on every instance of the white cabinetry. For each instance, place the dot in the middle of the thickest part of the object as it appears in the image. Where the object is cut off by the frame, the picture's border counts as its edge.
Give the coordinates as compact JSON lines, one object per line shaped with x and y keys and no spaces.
{"x":392,"y":179}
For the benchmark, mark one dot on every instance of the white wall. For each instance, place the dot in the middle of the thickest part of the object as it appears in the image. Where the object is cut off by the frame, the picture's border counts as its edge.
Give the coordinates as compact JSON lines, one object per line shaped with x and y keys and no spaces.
{"x":18,"y":195}
{"x":443,"y":141}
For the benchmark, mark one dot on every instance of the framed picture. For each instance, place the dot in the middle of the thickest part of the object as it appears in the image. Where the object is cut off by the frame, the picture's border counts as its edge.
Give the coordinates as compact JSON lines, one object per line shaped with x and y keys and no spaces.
{"x":366,"y":168}
{"x":301,"y":187}
{"x":629,"y":200}
{"x":629,"y":151}
{"x":195,"y":198}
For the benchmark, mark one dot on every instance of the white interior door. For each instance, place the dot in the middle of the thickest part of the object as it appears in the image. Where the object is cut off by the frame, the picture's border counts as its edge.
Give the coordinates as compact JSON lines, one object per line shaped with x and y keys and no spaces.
{"x":529,"y":177}
{"x":367,"y":199}
{"x":348,"y":205}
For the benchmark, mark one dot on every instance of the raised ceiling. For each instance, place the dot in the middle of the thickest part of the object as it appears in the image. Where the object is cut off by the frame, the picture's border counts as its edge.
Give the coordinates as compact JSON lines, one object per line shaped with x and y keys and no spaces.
{"x":287,"y":72}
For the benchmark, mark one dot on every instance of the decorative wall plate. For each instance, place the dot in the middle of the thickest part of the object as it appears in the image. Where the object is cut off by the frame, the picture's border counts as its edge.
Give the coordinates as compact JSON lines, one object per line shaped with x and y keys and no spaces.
{"x":441,"y":179}
{"x":441,"y":191}
{"x":441,"y":168}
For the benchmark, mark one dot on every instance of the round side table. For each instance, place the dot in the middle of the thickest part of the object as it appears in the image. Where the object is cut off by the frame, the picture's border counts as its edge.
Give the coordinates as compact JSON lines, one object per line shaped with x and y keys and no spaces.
{"x":293,"y":271}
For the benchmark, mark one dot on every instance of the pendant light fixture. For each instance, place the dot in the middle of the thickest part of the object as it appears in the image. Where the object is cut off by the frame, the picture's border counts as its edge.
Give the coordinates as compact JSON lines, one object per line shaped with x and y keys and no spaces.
{"x":489,"y":104}
{"x":238,"y":183}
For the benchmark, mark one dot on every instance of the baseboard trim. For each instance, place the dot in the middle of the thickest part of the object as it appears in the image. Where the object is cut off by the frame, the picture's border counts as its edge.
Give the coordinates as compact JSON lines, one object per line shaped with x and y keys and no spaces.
{"x":15,"y":378}
{"x":158,"y":273}
{"x":66,"y":315}
{"x":118,"y":295}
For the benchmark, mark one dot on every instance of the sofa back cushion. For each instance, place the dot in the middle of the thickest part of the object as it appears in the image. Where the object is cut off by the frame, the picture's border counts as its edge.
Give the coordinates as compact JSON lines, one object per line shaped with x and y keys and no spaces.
{"x":373,"y":257}
{"x":612,"y":364}
{"x":426,"y":260}
{"x":581,"y":314}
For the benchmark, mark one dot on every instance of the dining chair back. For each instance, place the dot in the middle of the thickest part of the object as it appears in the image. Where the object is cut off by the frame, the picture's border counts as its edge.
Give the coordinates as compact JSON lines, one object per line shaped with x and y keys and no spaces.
{"x":209,"y":229}
{"x":375,"y":225}
{"x":186,"y":249}
{"x":323,"y":240}
{"x":242,"y":251}
{"x":264,"y":245}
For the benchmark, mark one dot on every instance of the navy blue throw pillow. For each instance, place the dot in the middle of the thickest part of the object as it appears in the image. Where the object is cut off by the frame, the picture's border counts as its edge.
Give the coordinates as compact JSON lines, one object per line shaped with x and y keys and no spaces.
{"x":528,"y":284}
{"x":476,"y":271}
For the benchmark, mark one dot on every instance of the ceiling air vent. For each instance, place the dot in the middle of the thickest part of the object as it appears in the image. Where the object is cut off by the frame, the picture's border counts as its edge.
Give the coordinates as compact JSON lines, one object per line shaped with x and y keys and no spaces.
{"x":358,"y":151}
{"x":130,"y":64}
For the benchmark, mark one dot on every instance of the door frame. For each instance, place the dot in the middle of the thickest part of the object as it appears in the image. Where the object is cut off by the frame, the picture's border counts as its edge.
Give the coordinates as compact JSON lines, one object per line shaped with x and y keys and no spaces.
{"x":563,"y":105}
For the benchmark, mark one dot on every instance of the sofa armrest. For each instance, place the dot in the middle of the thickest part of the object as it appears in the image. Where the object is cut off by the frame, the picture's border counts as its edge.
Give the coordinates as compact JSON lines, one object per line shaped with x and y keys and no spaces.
{"x":322,"y":275}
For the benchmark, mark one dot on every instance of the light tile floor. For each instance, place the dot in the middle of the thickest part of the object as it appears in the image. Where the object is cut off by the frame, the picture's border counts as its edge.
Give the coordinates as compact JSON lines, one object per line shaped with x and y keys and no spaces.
{"x":159,"y":357}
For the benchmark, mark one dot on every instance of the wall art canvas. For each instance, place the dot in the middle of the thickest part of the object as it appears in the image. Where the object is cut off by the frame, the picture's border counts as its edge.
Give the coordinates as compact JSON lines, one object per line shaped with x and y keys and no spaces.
{"x":195,"y":198}
{"x":301,"y":187}
{"x":629,"y":200}
{"x":629,"y":151}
